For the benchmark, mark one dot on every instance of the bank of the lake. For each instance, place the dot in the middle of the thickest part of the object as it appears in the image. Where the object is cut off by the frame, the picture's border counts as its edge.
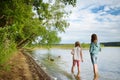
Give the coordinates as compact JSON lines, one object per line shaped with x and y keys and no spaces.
{"x":22,"y":67}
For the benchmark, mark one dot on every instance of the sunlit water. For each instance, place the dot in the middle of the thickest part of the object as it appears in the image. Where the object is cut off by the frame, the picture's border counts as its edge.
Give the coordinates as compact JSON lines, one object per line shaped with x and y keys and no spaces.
{"x":60,"y":68}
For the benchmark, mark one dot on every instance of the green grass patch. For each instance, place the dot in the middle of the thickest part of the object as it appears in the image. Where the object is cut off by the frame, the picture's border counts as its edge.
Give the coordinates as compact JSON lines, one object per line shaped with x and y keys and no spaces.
{"x":61,"y":46}
{"x":6,"y":53}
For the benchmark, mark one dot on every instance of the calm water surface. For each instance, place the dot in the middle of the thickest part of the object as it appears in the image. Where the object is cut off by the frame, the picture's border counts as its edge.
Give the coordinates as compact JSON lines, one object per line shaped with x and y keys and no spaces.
{"x":60,"y":68}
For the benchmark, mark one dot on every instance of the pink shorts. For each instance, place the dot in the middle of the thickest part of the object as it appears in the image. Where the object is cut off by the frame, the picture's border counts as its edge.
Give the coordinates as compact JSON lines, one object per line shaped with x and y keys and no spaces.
{"x":76,"y":61}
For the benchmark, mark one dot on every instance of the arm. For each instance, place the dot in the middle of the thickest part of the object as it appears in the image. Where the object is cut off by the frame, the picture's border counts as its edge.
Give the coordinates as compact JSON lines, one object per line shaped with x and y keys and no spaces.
{"x":91,"y":48}
{"x":72,"y":52}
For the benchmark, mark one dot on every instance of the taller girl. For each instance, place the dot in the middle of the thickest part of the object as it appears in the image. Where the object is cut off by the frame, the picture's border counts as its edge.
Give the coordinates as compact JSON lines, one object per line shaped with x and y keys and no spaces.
{"x":94,"y":50}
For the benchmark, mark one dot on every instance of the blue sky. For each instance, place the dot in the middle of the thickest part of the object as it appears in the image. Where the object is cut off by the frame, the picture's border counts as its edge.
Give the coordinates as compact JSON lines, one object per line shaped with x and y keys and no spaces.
{"x":93,"y":16}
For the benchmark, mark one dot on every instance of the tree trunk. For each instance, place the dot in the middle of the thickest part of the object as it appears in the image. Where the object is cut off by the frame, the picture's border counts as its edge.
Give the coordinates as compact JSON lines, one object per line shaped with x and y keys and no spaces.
{"x":25,"y":42}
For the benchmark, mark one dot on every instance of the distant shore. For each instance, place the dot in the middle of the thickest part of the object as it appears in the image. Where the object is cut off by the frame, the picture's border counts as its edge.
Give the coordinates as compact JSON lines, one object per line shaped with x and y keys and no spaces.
{"x":60,"y":46}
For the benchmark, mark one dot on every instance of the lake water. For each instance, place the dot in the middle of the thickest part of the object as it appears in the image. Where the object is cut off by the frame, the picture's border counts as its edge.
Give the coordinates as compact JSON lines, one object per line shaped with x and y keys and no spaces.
{"x":60,"y":68}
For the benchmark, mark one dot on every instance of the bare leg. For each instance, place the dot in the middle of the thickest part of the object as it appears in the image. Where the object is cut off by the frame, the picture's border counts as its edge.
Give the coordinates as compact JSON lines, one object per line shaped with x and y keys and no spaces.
{"x":72,"y":69}
{"x":78,"y":70}
{"x":95,"y":68}
{"x":73,"y":65}
{"x":78,"y":76}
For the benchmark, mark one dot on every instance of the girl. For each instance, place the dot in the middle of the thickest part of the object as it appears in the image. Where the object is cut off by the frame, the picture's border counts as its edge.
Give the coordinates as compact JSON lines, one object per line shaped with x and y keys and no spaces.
{"x":94,"y":49}
{"x":77,"y":57}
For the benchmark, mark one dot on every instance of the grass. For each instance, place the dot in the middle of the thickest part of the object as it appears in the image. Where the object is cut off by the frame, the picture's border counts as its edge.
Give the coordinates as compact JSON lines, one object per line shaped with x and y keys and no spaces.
{"x":61,"y":46}
{"x":5,"y":54}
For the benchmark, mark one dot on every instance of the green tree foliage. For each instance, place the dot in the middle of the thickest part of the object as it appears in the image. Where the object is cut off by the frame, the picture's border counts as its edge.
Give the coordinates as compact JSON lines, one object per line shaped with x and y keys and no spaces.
{"x":70,"y":2}
{"x":22,"y":21}
{"x":52,"y":17}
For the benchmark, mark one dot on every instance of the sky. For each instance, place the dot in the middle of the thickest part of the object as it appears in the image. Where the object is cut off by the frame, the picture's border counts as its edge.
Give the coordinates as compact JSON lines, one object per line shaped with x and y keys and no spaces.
{"x":93,"y":16}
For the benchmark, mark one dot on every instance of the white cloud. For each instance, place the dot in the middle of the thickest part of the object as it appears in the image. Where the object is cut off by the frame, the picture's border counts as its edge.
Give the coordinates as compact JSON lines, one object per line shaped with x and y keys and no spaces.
{"x":83,"y":22}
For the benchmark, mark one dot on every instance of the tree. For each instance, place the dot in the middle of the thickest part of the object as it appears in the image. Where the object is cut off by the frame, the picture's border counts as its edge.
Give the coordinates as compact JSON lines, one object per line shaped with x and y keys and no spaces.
{"x":19,"y":26}
{"x":69,"y":2}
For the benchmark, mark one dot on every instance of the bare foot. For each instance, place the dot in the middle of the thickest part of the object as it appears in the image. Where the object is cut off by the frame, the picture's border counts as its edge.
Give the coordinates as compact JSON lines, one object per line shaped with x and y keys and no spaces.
{"x":78,"y":77}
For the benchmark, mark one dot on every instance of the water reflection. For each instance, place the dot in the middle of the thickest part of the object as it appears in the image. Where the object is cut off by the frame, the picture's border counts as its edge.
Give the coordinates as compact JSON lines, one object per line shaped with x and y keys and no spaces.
{"x":58,"y":63}
{"x":76,"y":76}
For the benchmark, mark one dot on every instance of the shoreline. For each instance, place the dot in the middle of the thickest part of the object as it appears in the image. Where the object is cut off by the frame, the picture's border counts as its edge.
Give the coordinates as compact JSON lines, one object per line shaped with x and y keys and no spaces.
{"x":23,"y":67}
{"x":40,"y":72}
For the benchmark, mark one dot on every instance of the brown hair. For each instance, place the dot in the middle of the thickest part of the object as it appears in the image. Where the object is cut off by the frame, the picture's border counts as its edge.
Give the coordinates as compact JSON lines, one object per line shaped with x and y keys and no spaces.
{"x":77,"y":43}
{"x":93,"y":37}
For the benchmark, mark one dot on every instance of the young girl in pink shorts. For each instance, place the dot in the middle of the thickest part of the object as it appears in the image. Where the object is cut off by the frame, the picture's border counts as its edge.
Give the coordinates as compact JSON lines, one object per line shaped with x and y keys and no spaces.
{"x":77,"y":57}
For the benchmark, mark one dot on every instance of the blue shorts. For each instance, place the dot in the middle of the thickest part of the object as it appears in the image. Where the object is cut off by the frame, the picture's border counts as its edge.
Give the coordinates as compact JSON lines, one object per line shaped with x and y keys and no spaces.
{"x":94,"y":58}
